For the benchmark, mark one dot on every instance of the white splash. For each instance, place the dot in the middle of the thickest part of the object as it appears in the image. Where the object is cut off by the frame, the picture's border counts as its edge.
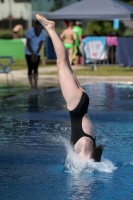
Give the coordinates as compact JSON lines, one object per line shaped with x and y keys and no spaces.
{"x":74,"y":164}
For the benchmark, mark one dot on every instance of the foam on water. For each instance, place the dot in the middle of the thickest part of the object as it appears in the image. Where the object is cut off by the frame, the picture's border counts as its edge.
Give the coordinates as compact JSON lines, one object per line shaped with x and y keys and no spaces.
{"x":73,"y":164}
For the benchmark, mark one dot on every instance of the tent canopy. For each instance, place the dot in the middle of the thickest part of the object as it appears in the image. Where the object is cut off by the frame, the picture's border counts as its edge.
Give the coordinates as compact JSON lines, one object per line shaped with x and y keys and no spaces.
{"x":94,"y":10}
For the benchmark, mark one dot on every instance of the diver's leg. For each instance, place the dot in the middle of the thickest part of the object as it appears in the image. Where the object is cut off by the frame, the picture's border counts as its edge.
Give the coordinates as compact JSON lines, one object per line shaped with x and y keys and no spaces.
{"x":70,"y":88}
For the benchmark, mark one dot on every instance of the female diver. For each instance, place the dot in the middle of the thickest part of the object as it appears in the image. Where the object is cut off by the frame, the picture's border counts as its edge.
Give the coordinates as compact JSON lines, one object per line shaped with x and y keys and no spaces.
{"x":83,"y":138}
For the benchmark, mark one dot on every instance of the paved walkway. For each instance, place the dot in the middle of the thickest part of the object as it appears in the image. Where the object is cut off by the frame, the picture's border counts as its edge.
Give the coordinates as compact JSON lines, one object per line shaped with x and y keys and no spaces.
{"x":52,"y":80}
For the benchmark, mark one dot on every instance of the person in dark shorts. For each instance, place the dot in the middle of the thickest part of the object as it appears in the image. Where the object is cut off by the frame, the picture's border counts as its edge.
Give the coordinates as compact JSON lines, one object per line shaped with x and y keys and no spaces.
{"x":35,"y":39}
{"x":83,"y":138}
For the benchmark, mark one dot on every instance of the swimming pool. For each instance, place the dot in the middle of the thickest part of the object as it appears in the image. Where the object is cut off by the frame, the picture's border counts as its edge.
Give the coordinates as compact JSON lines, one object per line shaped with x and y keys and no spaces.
{"x":37,"y":162}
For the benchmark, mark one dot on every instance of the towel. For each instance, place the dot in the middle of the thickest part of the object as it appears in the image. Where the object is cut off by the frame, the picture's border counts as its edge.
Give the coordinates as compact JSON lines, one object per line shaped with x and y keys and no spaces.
{"x":94,"y":48}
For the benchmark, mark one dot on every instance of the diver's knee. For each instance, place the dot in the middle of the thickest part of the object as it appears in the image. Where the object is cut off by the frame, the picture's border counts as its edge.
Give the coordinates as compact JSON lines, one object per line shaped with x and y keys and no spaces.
{"x":60,"y":63}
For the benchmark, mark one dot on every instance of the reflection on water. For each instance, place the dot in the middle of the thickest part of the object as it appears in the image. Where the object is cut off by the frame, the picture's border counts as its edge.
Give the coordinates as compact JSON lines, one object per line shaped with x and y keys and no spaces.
{"x":110,"y":97}
{"x":33,"y":103}
{"x":104,"y":97}
{"x":33,"y":156}
{"x":88,"y":186}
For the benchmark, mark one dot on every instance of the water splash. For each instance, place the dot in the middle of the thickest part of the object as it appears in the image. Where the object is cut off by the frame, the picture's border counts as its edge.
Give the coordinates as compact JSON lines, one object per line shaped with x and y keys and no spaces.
{"x":74,"y":164}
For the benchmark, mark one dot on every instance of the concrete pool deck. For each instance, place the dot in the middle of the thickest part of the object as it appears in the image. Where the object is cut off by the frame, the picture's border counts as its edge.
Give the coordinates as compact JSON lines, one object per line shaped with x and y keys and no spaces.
{"x":52,"y":80}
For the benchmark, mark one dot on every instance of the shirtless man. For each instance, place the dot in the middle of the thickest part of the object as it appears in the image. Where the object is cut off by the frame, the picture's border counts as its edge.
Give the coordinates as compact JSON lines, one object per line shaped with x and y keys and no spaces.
{"x":68,"y":36}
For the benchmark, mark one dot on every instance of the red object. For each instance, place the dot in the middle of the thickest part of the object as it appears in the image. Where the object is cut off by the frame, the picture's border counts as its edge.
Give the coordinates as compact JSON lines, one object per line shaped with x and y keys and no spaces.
{"x":66,"y":23}
{"x":81,"y":60}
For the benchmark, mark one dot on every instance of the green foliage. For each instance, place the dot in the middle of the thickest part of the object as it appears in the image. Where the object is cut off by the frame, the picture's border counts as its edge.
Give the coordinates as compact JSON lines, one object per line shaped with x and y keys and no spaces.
{"x":57,"y":5}
{"x":104,"y":28}
{"x":128,"y":1}
{"x":101,"y":71}
{"x":6,"y":34}
{"x":105,"y":71}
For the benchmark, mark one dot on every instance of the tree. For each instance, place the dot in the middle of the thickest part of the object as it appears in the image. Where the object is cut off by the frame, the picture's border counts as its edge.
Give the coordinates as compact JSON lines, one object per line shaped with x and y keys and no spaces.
{"x":128,"y":1}
{"x":104,"y":28}
{"x":60,"y":3}
{"x":57,"y":4}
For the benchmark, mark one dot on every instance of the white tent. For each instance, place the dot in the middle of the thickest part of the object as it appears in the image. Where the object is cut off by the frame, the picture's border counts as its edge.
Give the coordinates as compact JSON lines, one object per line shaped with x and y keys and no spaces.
{"x":94,"y":10}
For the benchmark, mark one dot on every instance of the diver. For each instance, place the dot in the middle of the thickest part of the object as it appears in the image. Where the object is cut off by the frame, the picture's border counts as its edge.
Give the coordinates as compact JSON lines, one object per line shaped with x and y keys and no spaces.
{"x":83,"y":138}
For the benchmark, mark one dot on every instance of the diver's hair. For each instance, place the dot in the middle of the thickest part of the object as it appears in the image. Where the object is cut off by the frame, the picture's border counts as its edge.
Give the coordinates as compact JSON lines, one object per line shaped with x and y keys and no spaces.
{"x":97,"y":153}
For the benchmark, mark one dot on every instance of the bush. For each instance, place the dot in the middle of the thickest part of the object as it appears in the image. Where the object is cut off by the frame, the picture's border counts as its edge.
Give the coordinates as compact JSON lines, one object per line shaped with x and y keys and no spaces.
{"x":105,"y":27}
{"x":8,"y":34}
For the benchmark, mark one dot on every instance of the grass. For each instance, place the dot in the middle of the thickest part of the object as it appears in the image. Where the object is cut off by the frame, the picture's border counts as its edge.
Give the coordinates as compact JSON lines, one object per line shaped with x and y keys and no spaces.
{"x":106,"y":71}
{"x":101,"y":71}
{"x":12,"y":91}
{"x":21,"y":88}
{"x":115,"y":70}
{"x":20,"y":64}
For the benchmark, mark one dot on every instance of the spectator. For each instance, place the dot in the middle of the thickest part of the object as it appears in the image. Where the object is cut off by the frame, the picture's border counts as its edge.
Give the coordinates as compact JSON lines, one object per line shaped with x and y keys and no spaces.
{"x":79,"y":31}
{"x":17,"y":31}
{"x":112,"y":43}
{"x":68,"y":36}
{"x":35,"y":39}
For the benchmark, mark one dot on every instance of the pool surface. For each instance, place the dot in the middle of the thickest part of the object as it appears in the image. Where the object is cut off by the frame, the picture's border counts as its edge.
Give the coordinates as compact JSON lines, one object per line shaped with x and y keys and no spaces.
{"x":36,"y":159}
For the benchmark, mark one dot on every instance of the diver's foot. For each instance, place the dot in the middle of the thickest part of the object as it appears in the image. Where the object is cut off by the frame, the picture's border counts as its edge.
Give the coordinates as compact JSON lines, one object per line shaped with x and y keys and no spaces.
{"x":45,"y":23}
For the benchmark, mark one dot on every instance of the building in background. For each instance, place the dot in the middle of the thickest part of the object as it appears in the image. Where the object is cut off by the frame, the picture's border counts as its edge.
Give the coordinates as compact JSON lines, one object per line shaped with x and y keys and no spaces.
{"x":12,"y":13}
{"x":13,"y":10}
{"x":9,"y":8}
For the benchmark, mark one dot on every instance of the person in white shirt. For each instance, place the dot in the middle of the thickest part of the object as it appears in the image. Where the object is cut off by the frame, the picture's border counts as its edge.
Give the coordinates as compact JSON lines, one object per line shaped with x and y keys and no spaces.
{"x":35,"y":38}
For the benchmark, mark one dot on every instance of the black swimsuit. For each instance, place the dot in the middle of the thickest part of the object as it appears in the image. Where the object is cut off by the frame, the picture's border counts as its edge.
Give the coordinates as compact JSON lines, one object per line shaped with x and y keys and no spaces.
{"x":76,"y":120}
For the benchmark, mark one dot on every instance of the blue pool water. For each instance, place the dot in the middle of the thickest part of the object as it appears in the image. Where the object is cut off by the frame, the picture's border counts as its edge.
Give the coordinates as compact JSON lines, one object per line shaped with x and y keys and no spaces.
{"x":37,"y":162}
